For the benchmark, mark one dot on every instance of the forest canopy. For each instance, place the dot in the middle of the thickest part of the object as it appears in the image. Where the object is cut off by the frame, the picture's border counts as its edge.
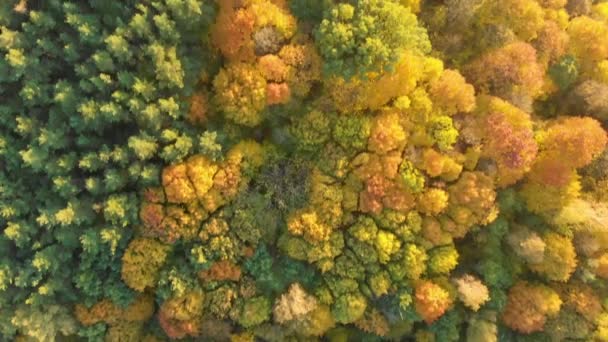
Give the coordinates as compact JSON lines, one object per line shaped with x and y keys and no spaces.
{"x":304,"y":170}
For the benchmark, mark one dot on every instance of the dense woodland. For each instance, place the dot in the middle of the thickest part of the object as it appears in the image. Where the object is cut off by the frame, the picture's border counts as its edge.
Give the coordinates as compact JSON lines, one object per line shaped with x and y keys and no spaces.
{"x":304,"y":170}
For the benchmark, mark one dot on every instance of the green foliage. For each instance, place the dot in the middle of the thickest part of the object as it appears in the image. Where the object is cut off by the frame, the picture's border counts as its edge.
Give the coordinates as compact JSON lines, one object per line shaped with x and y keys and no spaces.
{"x":352,"y":131}
{"x":363,"y":36}
{"x":254,"y":311}
{"x":565,"y":72}
{"x":442,"y":260}
{"x":411,"y":177}
{"x":349,"y":307}
{"x":285,"y":182}
{"x":443,"y":132}
{"x":44,"y":324}
{"x":79,"y":146}
{"x":209,"y":145}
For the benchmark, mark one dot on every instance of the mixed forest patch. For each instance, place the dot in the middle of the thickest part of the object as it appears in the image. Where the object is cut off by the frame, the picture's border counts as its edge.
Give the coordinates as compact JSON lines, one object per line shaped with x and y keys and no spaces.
{"x":304,"y":170}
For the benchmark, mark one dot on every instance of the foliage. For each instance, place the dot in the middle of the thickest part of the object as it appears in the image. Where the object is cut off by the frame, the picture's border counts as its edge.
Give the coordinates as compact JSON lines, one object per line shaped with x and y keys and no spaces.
{"x":286,"y":170}
{"x":367,"y":36}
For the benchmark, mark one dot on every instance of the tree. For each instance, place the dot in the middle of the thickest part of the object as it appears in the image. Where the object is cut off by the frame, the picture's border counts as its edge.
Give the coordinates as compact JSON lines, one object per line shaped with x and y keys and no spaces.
{"x":585,"y":40}
{"x":472,"y":292}
{"x":559,"y":259}
{"x":141,"y":263}
{"x":529,"y":306}
{"x":431,"y":300}
{"x":295,"y":304}
{"x":369,"y":36}
{"x":524,"y":17}
{"x":241,"y":93}
{"x":590,"y":97}
{"x":452,"y":93}
{"x":513,"y":68}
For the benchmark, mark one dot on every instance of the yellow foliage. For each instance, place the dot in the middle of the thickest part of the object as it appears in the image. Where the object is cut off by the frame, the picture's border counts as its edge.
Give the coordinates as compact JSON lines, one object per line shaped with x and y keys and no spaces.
{"x":601,"y":11}
{"x":318,"y":322}
{"x":187,"y":307}
{"x":543,"y":199}
{"x":472,"y":199}
{"x":141,"y":263}
{"x":200,"y":172}
{"x":452,"y":93}
{"x":178,"y":187}
{"x":240,"y":93}
{"x":588,"y":40}
{"x":559,"y":259}
{"x":269,"y":14}
{"x":247,"y":153}
{"x":414,"y":261}
{"x":232,"y":32}
{"x":413,"y":5}
{"x":357,"y":95}
{"x":125,"y":332}
{"x":326,"y":197}
{"x":524,"y":17}
{"x":601,"y":74}
{"x":601,"y":266}
{"x":306,"y":223}
{"x":433,"y":201}
{"x":242,"y":337}
{"x":515,"y":116}
{"x":387,"y":244}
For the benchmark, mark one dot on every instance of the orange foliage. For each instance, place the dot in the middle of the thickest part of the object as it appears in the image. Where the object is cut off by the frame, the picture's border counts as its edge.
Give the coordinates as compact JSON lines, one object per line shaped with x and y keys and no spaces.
{"x":199,"y":107}
{"x":387,"y":134}
{"x":472,"y":199}
{"x":432,"y":232}
{"x":582,"y":298}
{"x":513,"y":67}
{"x":398,"y":198}
{"x":277,"y":93}
{"x":602,"y":266}
{"x":182,"y":316}
{"x":551,"y":42}
{"x":273,"y":68}
{"x":528,"y":306}
{"x":433,"y":162}
{"x":232,"y":32}
{"x":511,"y":145}
{"x":105,"y":311}
{"x":569,"y":144}
{"x":305,"y":67}
{"x":152,"y":215}
{"x":370,"y":200}
{"x":576,"y":140}
{"x":431,"y":301}
{"x":220,"y":271}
